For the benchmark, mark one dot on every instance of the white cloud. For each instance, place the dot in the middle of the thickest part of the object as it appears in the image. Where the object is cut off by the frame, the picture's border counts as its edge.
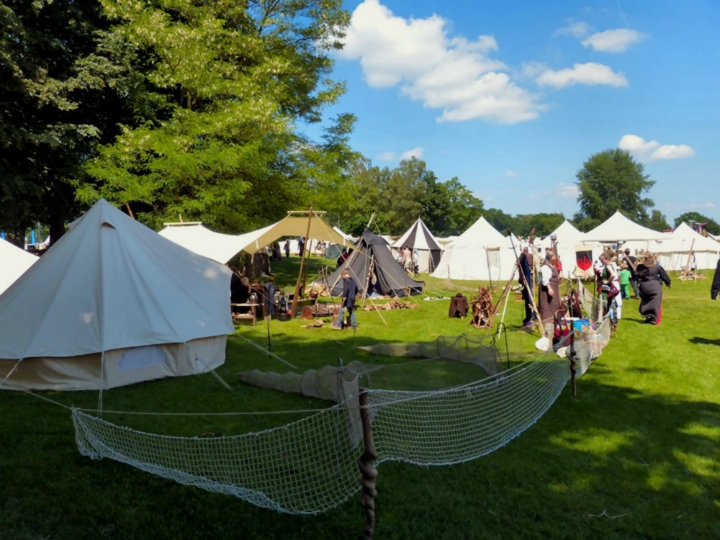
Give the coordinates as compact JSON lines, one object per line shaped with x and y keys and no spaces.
{"x":416,"y":152}
{"x":576,"y":29}
{"x":453,"y":74}
{"x":386,"y":156}
{"x":591,"y":73}
{"x":653,"y":150}
{"x":569,"y":191}
{"x":613,"y":41}
{"x":511,"y":174}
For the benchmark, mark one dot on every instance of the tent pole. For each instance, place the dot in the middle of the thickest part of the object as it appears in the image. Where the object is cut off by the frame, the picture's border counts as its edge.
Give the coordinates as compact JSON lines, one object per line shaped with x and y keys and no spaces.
{"x":487,"y":258}
{"x":367,"y":279}
{"x":302,"y":260}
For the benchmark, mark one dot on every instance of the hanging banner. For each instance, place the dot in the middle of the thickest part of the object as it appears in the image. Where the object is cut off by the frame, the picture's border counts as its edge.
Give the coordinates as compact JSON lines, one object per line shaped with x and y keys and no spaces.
{"x":583,"y":262}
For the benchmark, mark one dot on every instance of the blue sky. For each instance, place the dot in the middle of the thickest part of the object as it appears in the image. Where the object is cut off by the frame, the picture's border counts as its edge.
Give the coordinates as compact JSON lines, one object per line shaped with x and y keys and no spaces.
{"x":513,"y":96}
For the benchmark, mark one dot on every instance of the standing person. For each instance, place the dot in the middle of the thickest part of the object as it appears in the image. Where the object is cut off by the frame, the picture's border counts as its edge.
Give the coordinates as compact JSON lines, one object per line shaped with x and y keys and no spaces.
{"x":609,"y":285}
{"x":407,"y":259}
{"x":632,"y":264}
{"x":549,"y":291}
{"x":301,"y":246}
{"x":287,"y":248}
{"x":350,"y":290}
{"x":715,"y":289}
{"x":651,"y":276}
{"x":525,"y":264}
{"x":625,"y":275}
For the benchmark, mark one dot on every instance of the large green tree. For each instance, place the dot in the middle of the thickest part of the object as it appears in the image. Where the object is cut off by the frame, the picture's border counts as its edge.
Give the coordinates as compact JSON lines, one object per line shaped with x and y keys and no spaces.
{"x":53,"y":108}
{"x":713,"y":227}
{"x":612,"y":180}
{"x":218,"y":89}
{"x":657,"y":221}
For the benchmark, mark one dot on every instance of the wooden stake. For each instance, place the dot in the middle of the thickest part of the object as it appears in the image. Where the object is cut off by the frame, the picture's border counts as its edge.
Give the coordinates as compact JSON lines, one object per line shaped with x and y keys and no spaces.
{"x":302,"y":260}
{"x":573,"y":355}
{"x":369,"y":473}
{"x":367,"y":279}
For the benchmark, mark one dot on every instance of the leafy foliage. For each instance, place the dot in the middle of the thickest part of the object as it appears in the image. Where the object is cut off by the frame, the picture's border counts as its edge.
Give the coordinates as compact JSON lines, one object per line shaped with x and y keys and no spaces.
{"x":217,"y":88}
{"x":657,"y":221}
{"x":612,"y":180}
{"x":53,"y":108}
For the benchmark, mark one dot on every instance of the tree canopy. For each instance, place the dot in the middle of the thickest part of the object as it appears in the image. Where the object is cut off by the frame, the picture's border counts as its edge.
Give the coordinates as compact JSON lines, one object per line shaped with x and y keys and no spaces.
{"x":217,"y":89}
{"x":609,"y":181}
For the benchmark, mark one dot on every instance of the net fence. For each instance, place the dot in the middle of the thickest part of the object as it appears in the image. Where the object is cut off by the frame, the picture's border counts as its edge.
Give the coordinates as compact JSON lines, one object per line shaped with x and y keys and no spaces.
{"x":310,"y":466}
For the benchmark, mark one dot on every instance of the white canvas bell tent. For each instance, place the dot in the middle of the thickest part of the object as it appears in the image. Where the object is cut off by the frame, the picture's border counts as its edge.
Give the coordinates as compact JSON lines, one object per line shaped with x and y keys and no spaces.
{"x":421,"y":241}
{"x":480,"y":253}
{"x":113,"y":303}
{"x":684,"y":245}
{"x":14,"y":262}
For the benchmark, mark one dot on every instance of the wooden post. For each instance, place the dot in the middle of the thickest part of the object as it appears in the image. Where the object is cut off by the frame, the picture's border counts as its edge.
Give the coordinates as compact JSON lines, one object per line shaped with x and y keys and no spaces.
{"x":367,"y":279}
{"x":573,"y":355}
{"x":369,"y":473}
{"x":302,"y":260}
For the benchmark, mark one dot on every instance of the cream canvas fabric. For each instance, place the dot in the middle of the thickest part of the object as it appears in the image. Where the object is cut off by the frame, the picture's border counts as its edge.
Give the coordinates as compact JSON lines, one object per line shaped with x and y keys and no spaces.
{"x":112,"y":284}
{"x":480,"y":253}
{"x":619,"y":228}
{"x":14,"y":262}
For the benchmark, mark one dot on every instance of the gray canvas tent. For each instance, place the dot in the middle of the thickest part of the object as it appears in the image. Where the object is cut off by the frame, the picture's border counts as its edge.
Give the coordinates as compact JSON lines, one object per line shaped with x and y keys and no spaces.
{"x":372,"y":253}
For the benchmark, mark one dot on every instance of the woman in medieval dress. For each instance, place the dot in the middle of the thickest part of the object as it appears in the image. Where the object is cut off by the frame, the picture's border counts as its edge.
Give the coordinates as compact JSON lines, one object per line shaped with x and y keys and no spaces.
{"x":650,"y":277}
{"x":549,"y":294}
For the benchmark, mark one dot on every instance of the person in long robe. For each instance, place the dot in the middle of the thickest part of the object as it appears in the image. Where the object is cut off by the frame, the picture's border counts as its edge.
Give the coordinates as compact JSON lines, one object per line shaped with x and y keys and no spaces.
{"x":525,"y":263}
{"x":549,"y":291}
{"x":650,"y":277}
{"x":715,"y":289}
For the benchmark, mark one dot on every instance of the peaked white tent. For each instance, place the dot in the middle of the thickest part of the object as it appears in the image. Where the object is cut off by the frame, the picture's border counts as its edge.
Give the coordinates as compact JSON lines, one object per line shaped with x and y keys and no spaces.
{"x":675,"y":251}
{"x":419,"y":238}
{"x":113,"y":303}
{"x":619,"y":228}
{"x":14,"y":262}
{"x":569,"y":240}
{"x":198,"y":239}
{"x":480,"y":253}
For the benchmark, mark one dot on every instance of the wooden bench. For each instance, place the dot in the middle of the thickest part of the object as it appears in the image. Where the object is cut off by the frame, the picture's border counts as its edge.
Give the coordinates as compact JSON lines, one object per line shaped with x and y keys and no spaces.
{"x":250,"y":315}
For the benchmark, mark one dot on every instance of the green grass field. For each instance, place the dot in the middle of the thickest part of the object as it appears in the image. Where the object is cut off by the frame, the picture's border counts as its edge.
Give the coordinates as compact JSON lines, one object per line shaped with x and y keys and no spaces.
{"x":635,"y":455}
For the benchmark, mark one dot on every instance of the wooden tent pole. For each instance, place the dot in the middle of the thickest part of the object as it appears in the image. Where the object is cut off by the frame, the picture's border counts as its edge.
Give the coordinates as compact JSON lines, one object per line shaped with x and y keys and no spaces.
{"x":302,"y":260}
{"x":367,"y":278}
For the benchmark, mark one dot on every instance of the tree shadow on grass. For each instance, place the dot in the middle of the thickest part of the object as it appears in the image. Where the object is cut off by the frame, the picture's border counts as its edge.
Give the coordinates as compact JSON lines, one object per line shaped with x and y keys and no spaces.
{"x":704,"y":341}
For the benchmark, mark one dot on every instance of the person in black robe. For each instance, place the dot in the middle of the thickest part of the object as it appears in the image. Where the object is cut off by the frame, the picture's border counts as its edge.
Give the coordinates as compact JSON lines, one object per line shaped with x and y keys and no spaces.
{"x":287,"y":248}
{"x":525,"y":280}
{"x":269,"y":297}
{"x":715,"y":289}
{"x":350,"y":290}
{"x":650,"y":277}
{"x":239,"y":290}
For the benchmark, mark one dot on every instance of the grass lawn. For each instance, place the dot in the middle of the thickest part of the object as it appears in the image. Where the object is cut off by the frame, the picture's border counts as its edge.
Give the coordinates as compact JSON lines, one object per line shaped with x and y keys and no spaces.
{"x":635,"y":455}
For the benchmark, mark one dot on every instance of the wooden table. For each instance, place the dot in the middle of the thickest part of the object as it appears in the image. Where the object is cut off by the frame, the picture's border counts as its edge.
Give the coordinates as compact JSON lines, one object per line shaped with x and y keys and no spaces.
{"x":250,"y":315}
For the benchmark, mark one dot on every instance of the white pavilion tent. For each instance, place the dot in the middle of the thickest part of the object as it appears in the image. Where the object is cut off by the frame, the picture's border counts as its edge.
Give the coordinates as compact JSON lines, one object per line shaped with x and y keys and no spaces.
{"x":480,"y":253}
{"x":113,"y":303}
{"x":675,"y":250}
{"x":223,"y":247}
{"x":422,"y":242}
{"x":14,"y":262}
{"x":618,"y":228}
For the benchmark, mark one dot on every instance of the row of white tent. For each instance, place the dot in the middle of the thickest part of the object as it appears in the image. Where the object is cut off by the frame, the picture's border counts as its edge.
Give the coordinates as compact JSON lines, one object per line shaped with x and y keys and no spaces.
{"x":483,"y":253}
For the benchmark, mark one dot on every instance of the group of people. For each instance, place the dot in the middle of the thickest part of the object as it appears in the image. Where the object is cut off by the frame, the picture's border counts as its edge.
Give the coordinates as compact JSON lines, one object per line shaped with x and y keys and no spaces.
{"x":408,"y":259}
{"x":615,"y":283}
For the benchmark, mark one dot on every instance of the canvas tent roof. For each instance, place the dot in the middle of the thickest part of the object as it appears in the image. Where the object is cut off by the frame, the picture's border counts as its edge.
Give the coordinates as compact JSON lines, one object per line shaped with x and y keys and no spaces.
{"x":684,"y":237}
{"x":481,"y":252}
{"x":619,"y":228}
{"x":418,"y":236}
{"x":390,"y":277}
{"x":112,"y":283}
{"x":14,"y":262}
{"x":566,"y":233}
{"x":198,"y":239}
{"x":223,"y":247}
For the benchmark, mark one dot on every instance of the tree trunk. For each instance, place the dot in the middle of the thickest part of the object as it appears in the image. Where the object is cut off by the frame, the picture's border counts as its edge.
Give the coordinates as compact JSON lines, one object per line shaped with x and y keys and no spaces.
{"x":56,"y":224}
